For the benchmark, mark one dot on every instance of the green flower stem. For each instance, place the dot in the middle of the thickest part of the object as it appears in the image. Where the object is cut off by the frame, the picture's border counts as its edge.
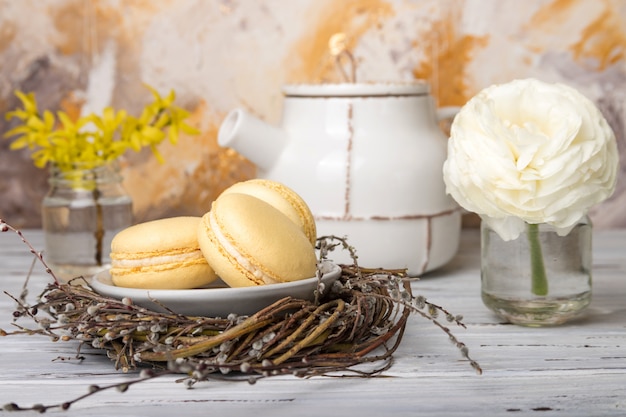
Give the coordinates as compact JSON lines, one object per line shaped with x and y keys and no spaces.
{"x":538,"y":269}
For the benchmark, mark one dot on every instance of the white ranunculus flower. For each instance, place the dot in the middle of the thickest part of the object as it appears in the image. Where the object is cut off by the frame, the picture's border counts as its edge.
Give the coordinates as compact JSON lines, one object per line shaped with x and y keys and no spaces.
{"x":530,"y":152}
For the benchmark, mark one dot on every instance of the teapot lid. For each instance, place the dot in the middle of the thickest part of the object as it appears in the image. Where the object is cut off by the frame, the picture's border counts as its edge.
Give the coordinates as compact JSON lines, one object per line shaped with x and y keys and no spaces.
{"x":419,"y":87}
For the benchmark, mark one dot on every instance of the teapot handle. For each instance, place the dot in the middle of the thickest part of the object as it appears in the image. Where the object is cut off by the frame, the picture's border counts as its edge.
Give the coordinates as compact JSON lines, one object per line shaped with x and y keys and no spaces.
{"x":447,"y":112}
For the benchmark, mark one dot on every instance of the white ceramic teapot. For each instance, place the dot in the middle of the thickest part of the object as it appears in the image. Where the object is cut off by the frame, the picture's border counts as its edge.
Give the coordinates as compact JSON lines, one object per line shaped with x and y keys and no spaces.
{"x":368,"y":160}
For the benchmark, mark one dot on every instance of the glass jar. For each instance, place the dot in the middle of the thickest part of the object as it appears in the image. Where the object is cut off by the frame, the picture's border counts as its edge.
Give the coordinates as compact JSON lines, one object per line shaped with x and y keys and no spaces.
{"x":81,"y":213}
{"x":540,"y":278}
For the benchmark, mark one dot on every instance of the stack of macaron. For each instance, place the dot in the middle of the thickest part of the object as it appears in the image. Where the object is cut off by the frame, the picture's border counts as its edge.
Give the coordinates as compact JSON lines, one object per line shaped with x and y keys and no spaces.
{"x":257,"y":232}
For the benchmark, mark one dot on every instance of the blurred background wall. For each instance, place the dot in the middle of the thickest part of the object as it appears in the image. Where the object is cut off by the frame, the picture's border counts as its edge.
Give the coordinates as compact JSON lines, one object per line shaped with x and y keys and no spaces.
{"x":82,"y":55}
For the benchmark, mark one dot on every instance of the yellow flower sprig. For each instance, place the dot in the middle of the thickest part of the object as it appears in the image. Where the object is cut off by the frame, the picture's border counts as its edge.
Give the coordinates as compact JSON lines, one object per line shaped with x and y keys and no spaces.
{"x":94,"y":140}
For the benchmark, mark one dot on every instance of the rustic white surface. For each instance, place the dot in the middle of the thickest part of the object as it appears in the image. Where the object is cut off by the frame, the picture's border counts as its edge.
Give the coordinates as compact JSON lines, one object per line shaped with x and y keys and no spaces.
{"x":572,"y":370}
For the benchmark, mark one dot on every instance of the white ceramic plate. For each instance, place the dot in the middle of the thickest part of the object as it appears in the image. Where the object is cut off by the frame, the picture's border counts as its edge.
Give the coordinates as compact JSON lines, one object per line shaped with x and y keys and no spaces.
{"x":219,"y":300}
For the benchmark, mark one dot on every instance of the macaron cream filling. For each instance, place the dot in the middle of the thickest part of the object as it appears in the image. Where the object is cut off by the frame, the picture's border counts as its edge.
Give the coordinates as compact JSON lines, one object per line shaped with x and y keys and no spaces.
{"x":232,"y":251}
{"x":152,"y":260}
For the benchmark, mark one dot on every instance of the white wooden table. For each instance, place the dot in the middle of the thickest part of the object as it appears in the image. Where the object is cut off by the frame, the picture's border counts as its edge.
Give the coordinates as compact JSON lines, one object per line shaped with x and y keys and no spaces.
{"x":577,"y":369}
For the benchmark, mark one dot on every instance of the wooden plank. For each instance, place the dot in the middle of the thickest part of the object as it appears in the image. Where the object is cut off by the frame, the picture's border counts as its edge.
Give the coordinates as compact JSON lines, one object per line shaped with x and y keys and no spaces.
{"x":578,"y":369}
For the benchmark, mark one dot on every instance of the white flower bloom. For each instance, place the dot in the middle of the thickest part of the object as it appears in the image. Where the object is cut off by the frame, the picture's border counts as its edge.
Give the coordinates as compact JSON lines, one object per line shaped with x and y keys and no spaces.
{"x":530,"y":152}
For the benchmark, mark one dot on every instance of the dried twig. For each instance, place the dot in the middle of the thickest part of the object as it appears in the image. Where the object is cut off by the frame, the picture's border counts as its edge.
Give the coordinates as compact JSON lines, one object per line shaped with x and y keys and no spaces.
{"x":360,"y":320}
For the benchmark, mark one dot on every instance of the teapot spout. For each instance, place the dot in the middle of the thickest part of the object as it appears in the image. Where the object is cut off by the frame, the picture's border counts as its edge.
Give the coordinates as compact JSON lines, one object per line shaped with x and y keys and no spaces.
{"x":253,"y":138}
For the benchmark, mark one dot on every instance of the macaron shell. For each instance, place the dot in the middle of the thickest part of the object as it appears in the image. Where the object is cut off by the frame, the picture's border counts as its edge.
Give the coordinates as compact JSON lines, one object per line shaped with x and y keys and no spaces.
{"x":283,"y":198}
{"x":262,"y":236}
{"x":157,"y":235}
{"x":175,"y":276}
{"x":160,"y":254}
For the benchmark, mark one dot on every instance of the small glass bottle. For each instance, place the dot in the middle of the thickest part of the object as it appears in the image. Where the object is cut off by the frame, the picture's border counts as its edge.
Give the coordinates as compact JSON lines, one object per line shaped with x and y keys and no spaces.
{"x":83,"y":210}
{"x":540,"y":278}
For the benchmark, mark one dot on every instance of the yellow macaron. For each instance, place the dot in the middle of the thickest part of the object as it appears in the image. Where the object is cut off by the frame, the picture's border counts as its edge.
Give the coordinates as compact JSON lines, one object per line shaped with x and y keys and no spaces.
{"x":160,"y":254}
{"x":282,"y":198}
{"x":249,"y":242}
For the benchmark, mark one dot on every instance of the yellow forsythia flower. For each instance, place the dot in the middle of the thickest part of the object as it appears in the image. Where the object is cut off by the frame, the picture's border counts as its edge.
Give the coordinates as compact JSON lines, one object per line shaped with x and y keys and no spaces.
{"x":94,"y":140}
